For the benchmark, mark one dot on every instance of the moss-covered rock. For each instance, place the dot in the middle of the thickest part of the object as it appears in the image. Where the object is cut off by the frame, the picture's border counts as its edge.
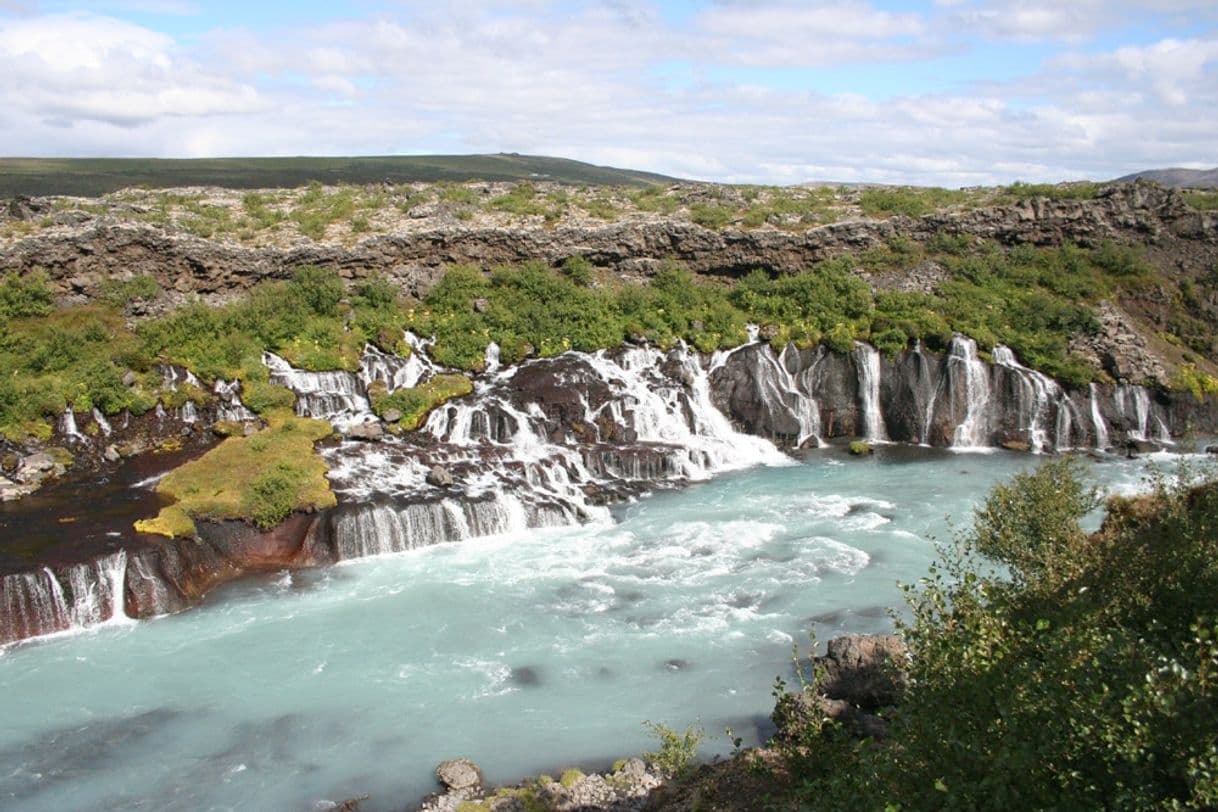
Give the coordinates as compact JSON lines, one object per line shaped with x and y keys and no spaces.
{"x":260,"y":478}
{"x":413,"y":404}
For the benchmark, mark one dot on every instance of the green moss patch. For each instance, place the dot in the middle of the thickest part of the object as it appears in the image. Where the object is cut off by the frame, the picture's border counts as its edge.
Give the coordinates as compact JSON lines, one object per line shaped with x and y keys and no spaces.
{"x":416,"y":402}
{"x":260,"y":478}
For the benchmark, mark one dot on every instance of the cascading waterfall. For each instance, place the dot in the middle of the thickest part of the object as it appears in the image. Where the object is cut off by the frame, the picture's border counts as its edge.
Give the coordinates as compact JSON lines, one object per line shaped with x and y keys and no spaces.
{"x":385,"y":529}
{"x":781,"y":389}
{"x":231,"y":408}
{"x":548,"y":442}
{"x":511,"y":470}
{"x":962,"y":360}
{"x":102,"y":423}
{"x":1039,"y":396}
{"x":1121,"y":398}
{"x":867,"y":361}
{"x":336,"y":396}
{"x":930,"y":392}
{"x":679,"y":412}
{"x":490,"y":359}
{"x":1133,"y":405}
{"x":395,"y":371}
{"x":67,"y":427}
{"x":1098,"y":426}
{"x":44,"y":602}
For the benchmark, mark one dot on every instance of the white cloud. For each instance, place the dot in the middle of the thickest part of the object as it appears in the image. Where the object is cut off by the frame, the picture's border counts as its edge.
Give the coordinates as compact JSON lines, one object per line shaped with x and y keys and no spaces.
{"x":594,"y":84}
{"x":67,"y":68}
{"x":1066,"y":20}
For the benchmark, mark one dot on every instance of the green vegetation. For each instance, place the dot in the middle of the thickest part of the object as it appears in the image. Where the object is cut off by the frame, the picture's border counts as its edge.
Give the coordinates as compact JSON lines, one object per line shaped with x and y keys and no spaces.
{"x":910,"y":201}
{"x":1202,"y":201}
{"x":262,"y":478}
{"x":807,"y":207}
{"x":1190,"y":379}
{"x":121,"y":292}
{"x":95,"y":176}
{"x":78,"y":356}
{"x":1085,"y":678}
{"x":860,"y":448}
{"x":1054,"y":191}
{"x":711,"y":216}
{"x":317,"y":209}
{"x":416,"y":402}
{"x":677,"y":750}
{"x":1032,"y":300}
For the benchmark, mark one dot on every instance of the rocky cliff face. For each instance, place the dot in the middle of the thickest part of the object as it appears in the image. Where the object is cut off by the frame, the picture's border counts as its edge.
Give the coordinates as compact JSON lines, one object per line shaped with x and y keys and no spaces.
{"x":550,"y":442}
{"x":80,"y":256}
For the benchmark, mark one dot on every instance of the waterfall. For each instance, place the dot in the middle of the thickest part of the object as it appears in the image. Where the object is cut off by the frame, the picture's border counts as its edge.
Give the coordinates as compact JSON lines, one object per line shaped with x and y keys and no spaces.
{"x":336,"y":396}
{"x":679,"y":412}
{"x":491,"y":358}
{"x":867,"y":361}
{"x":1039,"y":395}
{"x":189,"y":413}
{"x":930,"y":393}
{"x":102,"y":422}
{"x":1138,"y":413}
{"x":962,"y":359}
{"x":395,"y":371}
{"x":231,"y":408}
{"x":1098,"y":426}
{"x":43,"y":602}
{"x":172,"y":376}
{"x":633,"y":415}
{"x":67,"y":427}
{"x":782,"y":391}
{"x":372,"y":530}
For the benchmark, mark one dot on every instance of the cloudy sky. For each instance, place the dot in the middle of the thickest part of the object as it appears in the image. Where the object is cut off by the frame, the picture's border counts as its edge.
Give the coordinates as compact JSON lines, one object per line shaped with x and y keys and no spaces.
{"x":947,"y":92}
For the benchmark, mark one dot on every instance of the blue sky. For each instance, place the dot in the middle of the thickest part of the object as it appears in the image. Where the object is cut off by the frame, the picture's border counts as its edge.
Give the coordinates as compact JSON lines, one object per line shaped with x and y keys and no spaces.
{"x":946,"y":92}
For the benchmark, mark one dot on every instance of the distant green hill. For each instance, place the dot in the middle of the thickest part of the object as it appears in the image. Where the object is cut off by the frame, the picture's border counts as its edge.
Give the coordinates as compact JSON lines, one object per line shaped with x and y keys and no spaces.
{"x":96,"y":176}
{"x":1177,"y":177}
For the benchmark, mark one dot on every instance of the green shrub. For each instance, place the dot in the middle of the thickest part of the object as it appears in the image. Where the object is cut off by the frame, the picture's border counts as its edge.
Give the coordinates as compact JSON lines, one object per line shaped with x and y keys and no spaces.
{"x":22,"y":296}
{"x":273,"y":495}
{"x":579,"y":270}
{"x":1087,"y":682}
{"x":121,"y":292}
{"x":907,"y":200}
{"x":1202,"y":201}
{"x":1054,"y":191}
{"x":711,"y":216}
{"x":677,"y":750}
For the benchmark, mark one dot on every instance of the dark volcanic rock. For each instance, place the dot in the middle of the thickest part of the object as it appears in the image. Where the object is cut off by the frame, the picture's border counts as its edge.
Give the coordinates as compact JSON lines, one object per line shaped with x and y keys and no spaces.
{"x":414,"y":259}
{"x":865,"y":670}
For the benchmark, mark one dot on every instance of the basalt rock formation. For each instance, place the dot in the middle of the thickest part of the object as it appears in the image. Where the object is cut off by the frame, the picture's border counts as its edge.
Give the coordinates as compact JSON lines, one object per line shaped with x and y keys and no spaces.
{"x":550,"y":442}
{"x":78,"y":256}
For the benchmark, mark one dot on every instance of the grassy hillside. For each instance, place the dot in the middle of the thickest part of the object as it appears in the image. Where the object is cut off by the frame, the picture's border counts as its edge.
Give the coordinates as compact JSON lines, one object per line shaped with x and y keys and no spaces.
{"x":97,"y":176}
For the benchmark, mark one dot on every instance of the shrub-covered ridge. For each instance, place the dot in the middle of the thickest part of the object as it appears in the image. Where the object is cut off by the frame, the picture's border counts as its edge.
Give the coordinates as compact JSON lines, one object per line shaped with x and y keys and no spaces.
{"x":1084,"y":677}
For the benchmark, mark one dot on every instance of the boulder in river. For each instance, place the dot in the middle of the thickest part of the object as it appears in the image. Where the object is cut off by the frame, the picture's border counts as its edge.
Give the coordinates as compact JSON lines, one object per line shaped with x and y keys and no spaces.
{"x":365,"y":431}
{"x":459,"y":773}
{"x":440,"y":477}
{"x":865,"y":670}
